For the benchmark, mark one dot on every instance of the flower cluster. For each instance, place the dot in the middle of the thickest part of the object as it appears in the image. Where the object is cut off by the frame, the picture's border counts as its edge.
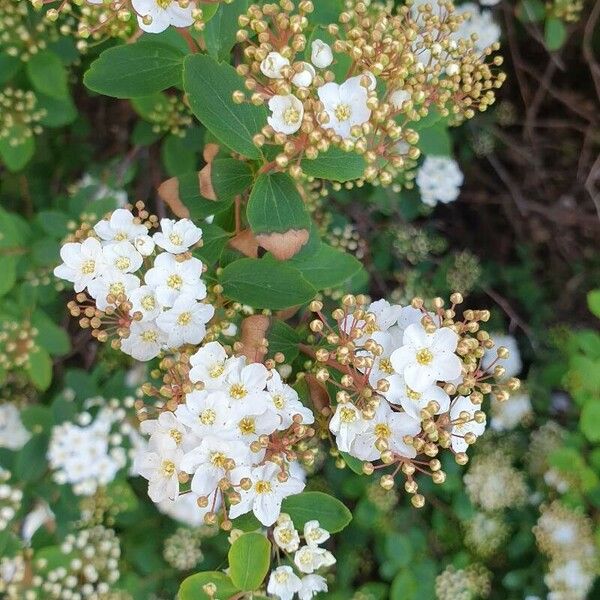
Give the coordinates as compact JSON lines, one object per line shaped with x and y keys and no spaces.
{"x":566,"y":537}
{"x":10,"y":500}
{"x":485,"y":533}
{"x":165,"y":311}
{"x":300,"y":576}
{"x":470,"y":583}
{"x":19,"y":116}
{"x":410,"y":382}
{"x":232,"y":429}
{"x":13,"y":434}
{"x":479,"y":26}
{"x":171,"y":115}
{"x":392,"y":68}
{"x":89,"y":453}
{"x":182,"y":549}
{"x":439,"y":179}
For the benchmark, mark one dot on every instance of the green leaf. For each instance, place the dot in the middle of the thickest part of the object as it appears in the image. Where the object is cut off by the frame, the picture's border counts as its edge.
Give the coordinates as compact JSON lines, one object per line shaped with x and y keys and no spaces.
{"x":48,"y":75}
{"x":327,"y":267}
{"x":215,"y":240}
{"x":249,"y":561}
{"x":220,"y":32}
{"x":51,"y":337}
{"x":265,"y":284}
{"x":176,"y":156}
{"x":39,"y":369}
{"x":31,"y":460}
{"x":335,"y":165}
{"x":209,"y":85}
{"x":134,"y":70}
{"x":9,"y":273}
{"x":283,"y":338}
{"x":9,"y":66}
{"x":54,"y":222}
{"x":188,"y":190}
{"x":230,"y":178}
{"x":590,"y":420}
{"x":353,"y":463}
{"x":555,"y":33}
{"x":593,"y":300}
{"x":530,"y":11}
{"x":192,"y":588}
{"x":435,"y":140}
{"x":329,"y":511}
{"x":16,"y":157}
{"x":275,"y":205}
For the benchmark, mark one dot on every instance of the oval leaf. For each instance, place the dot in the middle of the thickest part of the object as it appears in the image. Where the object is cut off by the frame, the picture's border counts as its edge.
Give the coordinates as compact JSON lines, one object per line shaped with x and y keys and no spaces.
{"x":192,"y":588}
{"x":249,"y":560}
{"x":307,"y":506}
{"x":335,"y":165}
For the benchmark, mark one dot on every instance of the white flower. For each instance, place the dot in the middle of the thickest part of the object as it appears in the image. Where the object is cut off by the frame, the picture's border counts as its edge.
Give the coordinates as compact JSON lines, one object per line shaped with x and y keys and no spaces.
{"x":389,"y":426}
{"x":321,"y":54}
{"x":206,"y":415}
{"x":284,"y":583}
{"x":160,"y":468}
{"x":144,"y":244}
{"x":185,"y":509}
{"x":287,"y":114}
{"x":113,"y":283}
{"x":155,"y":16}
{"x":243,"y":388}
{"x":304,"y":77}
{"x":39,"y":516}
{"x":414,"y":402}
{"x":314,"y":534}
{"x":345,"y":105}
{"x":286,"y":536}
{"x":172,"y":278}
{"x":143,"y":300}
{"x":166,"y":431}
{"x":372,"y":80}
{"x":177,"y":237}
{"x":511,"y":413}
{"x":480,"y":22}
{"x":210,"y":365}
{"x":212,"y":461}
{"x":426,"y":358}
{"x":121,"y":226}
{"x":82,"y":263}
{"x":122,"y":257}
{"x":439,"y":180}
{"x":285,"y":402}
{"x":512,"y":365}
{"x":185,"y":322}
{"x":266,"y":494}
{"x":398,"y":98}
{"x":311,"y":586}
{"x":462,"y":426}
{"x":272,"y":65}
{"x":255,"y":423}
{"x":382,"y":366}
{"x":347,"y":422}
{"x":145,"y":341}
{"x":13,"y":434}
{"x":310,"y":558}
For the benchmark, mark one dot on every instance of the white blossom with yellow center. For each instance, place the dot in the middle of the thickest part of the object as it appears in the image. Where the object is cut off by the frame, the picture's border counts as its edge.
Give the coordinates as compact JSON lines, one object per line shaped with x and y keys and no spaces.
{"x":154,"y":16}
{"x":287,"y":113}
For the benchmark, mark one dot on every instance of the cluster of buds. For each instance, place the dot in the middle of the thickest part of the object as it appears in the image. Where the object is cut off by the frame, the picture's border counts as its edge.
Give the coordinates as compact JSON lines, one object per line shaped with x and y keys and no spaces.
{"x":566,"y":10}
{"x":409,"y":383}
{"x":170,"y":116}
{"x":19,"y":116}
{"x":10,"y":500}
{"x":396,"y":66}
{"x":17,"y":343}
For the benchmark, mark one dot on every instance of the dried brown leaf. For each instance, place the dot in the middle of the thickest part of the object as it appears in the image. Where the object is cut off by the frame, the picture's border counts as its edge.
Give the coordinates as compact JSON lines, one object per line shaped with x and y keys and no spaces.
{"x":246,"y":243}
{"x":318,"y":393}
{"x":284,"y":246}
{"x":253,"y":333}
{"x":168,"y":191}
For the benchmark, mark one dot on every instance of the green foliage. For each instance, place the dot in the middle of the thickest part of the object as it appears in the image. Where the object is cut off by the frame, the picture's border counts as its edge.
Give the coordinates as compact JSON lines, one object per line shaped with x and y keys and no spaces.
{"x":307,"y":506}
{"x":192,"y":587}
{"x":249,"y":561}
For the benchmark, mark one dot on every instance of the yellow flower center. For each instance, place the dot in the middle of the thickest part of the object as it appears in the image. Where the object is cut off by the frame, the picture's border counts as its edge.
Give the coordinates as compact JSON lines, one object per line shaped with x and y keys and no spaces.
{"x":385,"y":365}
{"x":184,"y":318}
{"x":291,"y":116}
{"x":120,"y":236}
{"x":218,"y":459}
{"x":164,"y":4}
{"x":148,"y":302}
{"x":263,"y":487}
{"x":216,"y":370}
{"x":176,"y":435}
{"x":175,"y":239}
{"x":347,"y":415}
{"x":278,"y":401}
{"x":208,"y":416}
{"x":412,"y":394}
{"x":383,"y":431}
{"x":168,"y":468}
{"x":122,"y":263}
{"x":247,"y":426}
{"x":285,"y":535}
{"x":424,"y":356}
{"x":88,"y":267}
{"x":237,"y":391}
{"x":282,"y":576}
{"x":175,"y":281}
{"x":149,"y":336}
{"x":343,"y":112}
{"x":116,"y":288}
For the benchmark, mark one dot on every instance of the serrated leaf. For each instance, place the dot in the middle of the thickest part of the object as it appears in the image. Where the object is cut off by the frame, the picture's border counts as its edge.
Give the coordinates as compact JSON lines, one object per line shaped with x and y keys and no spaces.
{"x":134,"y":70}
{"x":210,"y":85}
{"x":329,"y":511}
{"x":265,"y":284}
{"x":335,"y":165}
{"x":249,"y":561}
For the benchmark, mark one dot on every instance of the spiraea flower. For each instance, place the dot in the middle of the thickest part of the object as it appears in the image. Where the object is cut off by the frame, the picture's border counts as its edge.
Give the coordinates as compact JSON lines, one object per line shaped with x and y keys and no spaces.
{"x":412,"y":383}
{"x":230,"y":434}
{"x":146,"y":291}
{"x":155,"y":16}
{"x":13,"y":434}
{"x":439,"y":179}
